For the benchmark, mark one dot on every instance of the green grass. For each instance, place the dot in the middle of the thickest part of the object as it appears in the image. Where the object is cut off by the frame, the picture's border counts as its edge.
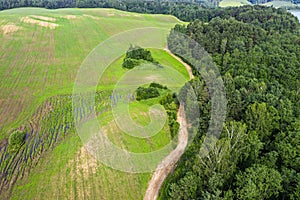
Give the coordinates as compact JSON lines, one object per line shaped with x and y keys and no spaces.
{"x":38,"y":70}
{"x":280,"y":4}
{"x":68,"y":173}
{"x":233,"y":3}
{"x":37,"y":62}
{"x":71,"y":173}
{"x":139,"y":113}
{"x":275,"y":4}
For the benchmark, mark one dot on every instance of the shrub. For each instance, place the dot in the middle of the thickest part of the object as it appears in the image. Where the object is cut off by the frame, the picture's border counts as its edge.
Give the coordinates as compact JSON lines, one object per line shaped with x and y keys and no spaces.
{"x":146,"y":93}
{"x":157,"y":85}
{"x":136,"y":55}
{"x":130,"y":63}
{"x":168,"y":99}
{"x":139,"y":54}
{"x":174,"y":128}
{"x":16,"y":140}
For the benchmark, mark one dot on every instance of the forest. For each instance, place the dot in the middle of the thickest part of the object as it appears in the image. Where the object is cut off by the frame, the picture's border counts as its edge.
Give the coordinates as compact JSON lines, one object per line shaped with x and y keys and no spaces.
{"x":144,"y":6}
{"x":257,"y":51}
{"x":186,"y":10}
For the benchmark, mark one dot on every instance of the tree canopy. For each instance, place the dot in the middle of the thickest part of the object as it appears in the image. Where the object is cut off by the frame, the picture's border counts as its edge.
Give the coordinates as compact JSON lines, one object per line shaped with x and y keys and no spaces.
{"x":257,"y":51}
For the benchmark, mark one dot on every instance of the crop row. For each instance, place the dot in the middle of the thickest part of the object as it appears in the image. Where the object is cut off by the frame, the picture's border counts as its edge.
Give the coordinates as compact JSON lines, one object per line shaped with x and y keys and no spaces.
{"x":51,"y":123}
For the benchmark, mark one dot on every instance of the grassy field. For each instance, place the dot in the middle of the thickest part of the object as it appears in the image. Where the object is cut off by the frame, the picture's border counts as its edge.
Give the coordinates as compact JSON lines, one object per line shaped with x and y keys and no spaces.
{"x":275,"y":4}
{"x":280,"y":4}
{"x":40,"y":56}
{"x":41,"y":51}
{"x":233,"y":3}
{"x":69,"y":169}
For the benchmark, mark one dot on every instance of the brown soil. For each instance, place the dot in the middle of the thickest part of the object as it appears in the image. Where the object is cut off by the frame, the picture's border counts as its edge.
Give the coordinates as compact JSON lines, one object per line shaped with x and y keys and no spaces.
{"x":70,"y":17}
{"x":85,"y":164}
{"x":9,"y":28}
{"x":50,"y":19}
{"x":38,"y":22}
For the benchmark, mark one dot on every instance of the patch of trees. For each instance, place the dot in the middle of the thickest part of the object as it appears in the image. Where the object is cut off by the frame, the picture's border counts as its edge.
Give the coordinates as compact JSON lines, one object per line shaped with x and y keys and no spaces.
{"x":130,"y":63}
{"x":157,"y":85}
{"x":152,"y":91}
{"x":146,"y":93}
{"x":166,"y":98}
{"x":135,"y":56}
{"x":171,"y":105}
{"x":258,"y":154}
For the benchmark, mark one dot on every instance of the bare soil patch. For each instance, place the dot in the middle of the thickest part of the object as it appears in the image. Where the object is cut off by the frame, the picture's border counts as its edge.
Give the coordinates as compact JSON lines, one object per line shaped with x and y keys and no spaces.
{"x":50,"y":19}
{"x":85,"y":164}
{"x":9,"y":28}
{"x":70,"y":17}
{"x":39,"y":23}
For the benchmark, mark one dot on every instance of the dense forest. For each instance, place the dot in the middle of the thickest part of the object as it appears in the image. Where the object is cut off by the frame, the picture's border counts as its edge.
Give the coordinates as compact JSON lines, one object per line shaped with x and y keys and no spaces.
{"x":144,"y":6}
{"x":257,"y":51}
{"x":186,"y":10}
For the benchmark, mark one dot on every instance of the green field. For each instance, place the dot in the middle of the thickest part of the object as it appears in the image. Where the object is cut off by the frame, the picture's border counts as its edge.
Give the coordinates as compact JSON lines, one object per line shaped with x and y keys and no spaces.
{"x":38,"y":62}
{"x":41,"y":51}
{"x":275,"y":4}
{"x":280,"y":4}
{"x":233,"y":3}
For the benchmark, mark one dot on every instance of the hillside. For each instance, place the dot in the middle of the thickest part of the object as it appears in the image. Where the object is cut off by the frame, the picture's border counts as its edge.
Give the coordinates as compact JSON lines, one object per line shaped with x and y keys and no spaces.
{"x":41,"y":52}
{"x":233,"y":3}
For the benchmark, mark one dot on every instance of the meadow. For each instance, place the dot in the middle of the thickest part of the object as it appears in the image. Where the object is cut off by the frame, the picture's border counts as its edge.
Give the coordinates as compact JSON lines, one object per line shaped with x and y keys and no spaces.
{"x":41,"y":51}
{"x":280,"y":4}
{"x":275,"y":4}
{"x":233,"y":3}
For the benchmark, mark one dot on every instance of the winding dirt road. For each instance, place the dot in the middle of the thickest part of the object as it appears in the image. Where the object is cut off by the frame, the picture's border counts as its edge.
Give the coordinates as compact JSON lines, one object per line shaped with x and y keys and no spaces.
{"x":168,"y":163}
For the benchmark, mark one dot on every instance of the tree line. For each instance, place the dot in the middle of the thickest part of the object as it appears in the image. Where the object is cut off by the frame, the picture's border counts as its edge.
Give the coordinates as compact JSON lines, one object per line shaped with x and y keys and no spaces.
{"x":257,"y":50}
{"x":186,"y":10}
{"x":144,"y":6}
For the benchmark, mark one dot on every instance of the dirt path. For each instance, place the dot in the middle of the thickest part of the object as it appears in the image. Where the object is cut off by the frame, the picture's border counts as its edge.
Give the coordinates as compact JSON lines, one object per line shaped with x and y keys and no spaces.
{"x":168,"y":163}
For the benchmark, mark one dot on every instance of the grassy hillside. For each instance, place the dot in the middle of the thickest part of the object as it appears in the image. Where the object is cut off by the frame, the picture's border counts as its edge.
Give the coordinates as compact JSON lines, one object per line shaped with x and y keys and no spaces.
{"x":233,"y":3}
{"x":280,"y":4}
{"x":40,"y":56}
{"x":275,"y":4}
{"x":41,"y":51}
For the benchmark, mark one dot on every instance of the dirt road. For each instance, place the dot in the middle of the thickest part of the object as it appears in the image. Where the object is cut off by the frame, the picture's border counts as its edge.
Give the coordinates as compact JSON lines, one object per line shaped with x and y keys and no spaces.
{"x":168,"y":163}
